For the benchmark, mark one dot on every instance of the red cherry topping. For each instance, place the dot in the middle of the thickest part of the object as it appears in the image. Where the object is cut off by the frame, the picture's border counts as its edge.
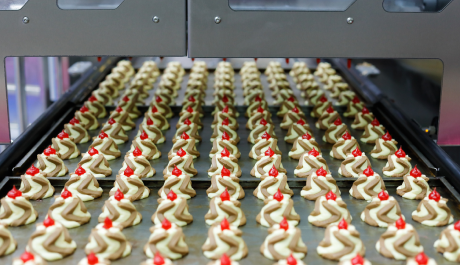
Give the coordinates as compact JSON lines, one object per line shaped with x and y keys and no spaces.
{"x":184,"y":136}
{"x":225,"y":196}
{"x":92,"y":259}
{"x":457,"y":226}
{"x":125,"y":99}
{"x":375,"y":122}
{"x":330,"y":109}
{"x":301,"y":122}
{"x":260,"y":109}
{"x":225,"y":152}
{"x":158,"y":99}
{"x":400,"y":153}
{"x":119,"y":109}
{"x":128,"y":172}
{"x":321,"y":172}
{"x":189,"y":109}
{"x":48,"y":222}
{"x":284,"y":224}
{"x":263,"y":122}
{"x":225,"y":172}
{"x":66,"y":193}
{"x":107,"y":223}
{"x":357,"y":152}
{"x":172,"y":196}
{"x":295,"y":110}
{"x":266,"y":136}
{"x":137,"y":152}
{"x":111,"y":121}
{"x":143,"y":135}
{"x":331,"y":196}
{"x":181,"y":152}
{"x":415,"y":172}
{"x":74,"y":121}
{"x":166,"y":224}
{"x":269,"y":152}
{"x":357,"y":260}
{"x":273,"y":172}
{"x":225,"y":99}
{"x":387,"y":137}
{"x":365,"y":111}
{"x":27,"y":256}
{"x":154,"y":109}
{"x":368,"y":171}
{"x":323,"y":99}
{"x":355,"y":100}
{"x":306,"y":136}
{"x":383,"y":195}
{"x":13,"y":193}
{"x":434,"y":195}
{"x":224,"y":225}
{"x":149,"y":122}
{"x":291,"y":260}
{"x":226,"y":122}
{"x":338,"y":122}
{"x":225,"y":260}
{"x":176,"y":171}
{"x":32,"y":171}
{"x":158,"y":259}
{"x":400,"y":223}
{"x":313,"y":152}
{"x":103,"y":135}
{"x":346,"y":136}
{"x":84,"y":109}
{"x":49,"y":151}
{"x":258,"y":99}
{"x":187,"y":121}
{"x":421,"y":259}
{"x":62,"y":135}
{"x":118,"y":195}
{"x":225,"y":109}
{"x":343,"y":224}
{"x":278,"y":196}
{"x":291,"y":99}
{"x":80,"y":171}
{"x":225,"y":136}
{"x":191,"y":99}
{"x":93,"y":151}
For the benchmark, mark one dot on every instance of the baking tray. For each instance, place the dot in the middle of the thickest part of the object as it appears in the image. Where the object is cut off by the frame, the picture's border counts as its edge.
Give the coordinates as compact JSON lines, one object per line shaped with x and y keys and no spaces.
{"x":254,"y":234}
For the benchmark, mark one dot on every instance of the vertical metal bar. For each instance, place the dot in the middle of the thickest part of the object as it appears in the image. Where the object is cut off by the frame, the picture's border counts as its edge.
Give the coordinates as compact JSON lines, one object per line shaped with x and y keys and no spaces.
{"x":65,"y":74}
{"x":53,"y":79}
{"x":20,"y":84}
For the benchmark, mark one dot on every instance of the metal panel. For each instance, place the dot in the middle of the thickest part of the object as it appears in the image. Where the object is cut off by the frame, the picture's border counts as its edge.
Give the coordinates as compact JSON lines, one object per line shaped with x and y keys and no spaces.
{"x":374,"y":33}
{"x":125,"y":31}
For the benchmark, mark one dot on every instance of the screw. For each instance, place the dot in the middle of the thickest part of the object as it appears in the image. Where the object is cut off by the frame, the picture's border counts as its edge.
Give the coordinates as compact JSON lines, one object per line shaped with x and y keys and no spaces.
{"x":350,"y":20}
{"x":217,"y":20}
{"x":156,"y":19}
{"x":25,"y":20}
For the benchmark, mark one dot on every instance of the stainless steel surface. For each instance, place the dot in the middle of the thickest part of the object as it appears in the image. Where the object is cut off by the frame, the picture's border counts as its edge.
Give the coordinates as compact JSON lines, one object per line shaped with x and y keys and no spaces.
{"x":125,"y":31}
{"x":20,"y":84}
{"x":290,"y":5}
{"x":322,"y":34}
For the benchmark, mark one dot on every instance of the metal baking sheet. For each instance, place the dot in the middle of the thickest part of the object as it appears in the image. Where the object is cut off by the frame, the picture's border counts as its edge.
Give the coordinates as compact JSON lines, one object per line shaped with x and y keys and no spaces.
{"x":253,"y":233}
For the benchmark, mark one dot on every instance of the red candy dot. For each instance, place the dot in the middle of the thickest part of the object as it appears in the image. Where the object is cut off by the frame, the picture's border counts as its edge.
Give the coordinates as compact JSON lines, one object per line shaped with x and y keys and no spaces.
{"x":187,"y":121}
{"x":269,"y":152}
{"x":346,"y":136}
{"x":226,"y":122}
{"x":421,"y":259}
{"x":225,"y":99}
{"x":343,"y":224}
{"x":263,"y":122}
{"x":365,"y":111}
{"x":84,"y":109}
{"x":457,"y":226}
{"x":357,"y":260}
{"x":144,"y":135}
{"x":284,"y":224}
{"x":383,"y":195}
{"x":291,"y":99}
{"x":368,"y":171}
{"x":434,"y":195}
{"x":258,"y":99}
{"x":225,"y":196}
{"x":400,"y":223}
{"x":158,"y":99}
{"x":273,"y":172}
{"x":74,"y":121}
{"x":118,"y":195}
{"x":118,"y":109}
{"x":278,"y":196}
{"x":224,"y":225}
{"x":387,"y":137}
{"x":313,"y":152}
{"x":225,"y":260}
{"x":260,"y":109}
{"x":189,"y":109}
{"x":291,"y":260}
{"x":323,"y":99}
{"x":92,"y":259}
{"x":306,"y":136}
{"x":181,"y":152}
{"x":62,"y":135}
{"x":400,"y":153}
{"x":111,"y":121}
{"x":338,"y":122}
{"x":225,"y":152}
{"x":301,"y":122}
{"x":330,"y":109}
{"x":357,"y":152}
{"x":154,"y":109}
{"x":415,"y":172}
{"x":184,"y":136}
{"x":128,"y":172}
{"x":321,"y":172}
{"x":295,"y":110}
{"x":176,"y":171}
{"x":266,"y":136}
{"x":27,"y":256}
{"x":80,"y":171}
{"x":137,"y":152}
{"x":225,"y":109}
{"x":32,"y":171}
{"x":48,"y":222}
{"x":331,"y":196}
{"x":375,"y":122}
{"x":107,"y":223}
{"x":225,"y":172}
{"x":66,"y":193}
{"x":171,"y":195}
{"x":158,"y":259}
{"x":149,"y":122}
{"x":125,"y":99}
{"x":93,"y":151}
{"x":356,"y":100}
{"x":225,"y":136}
{"x":103,"y":135}
{"x":191,"y":99}
{"x":13,"y":193}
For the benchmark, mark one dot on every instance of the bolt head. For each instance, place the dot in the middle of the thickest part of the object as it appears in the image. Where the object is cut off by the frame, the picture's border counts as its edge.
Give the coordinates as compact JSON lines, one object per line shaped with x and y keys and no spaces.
{"x":25,"y":20}
{"x":156,"y":19}
{"x":350,"y":20}
{"x":217,"y":20}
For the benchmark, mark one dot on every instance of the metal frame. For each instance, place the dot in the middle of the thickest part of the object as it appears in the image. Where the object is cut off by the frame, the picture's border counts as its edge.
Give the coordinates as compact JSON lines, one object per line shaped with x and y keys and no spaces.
{"x":374,"y":33}
{"x":126,"y":31}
